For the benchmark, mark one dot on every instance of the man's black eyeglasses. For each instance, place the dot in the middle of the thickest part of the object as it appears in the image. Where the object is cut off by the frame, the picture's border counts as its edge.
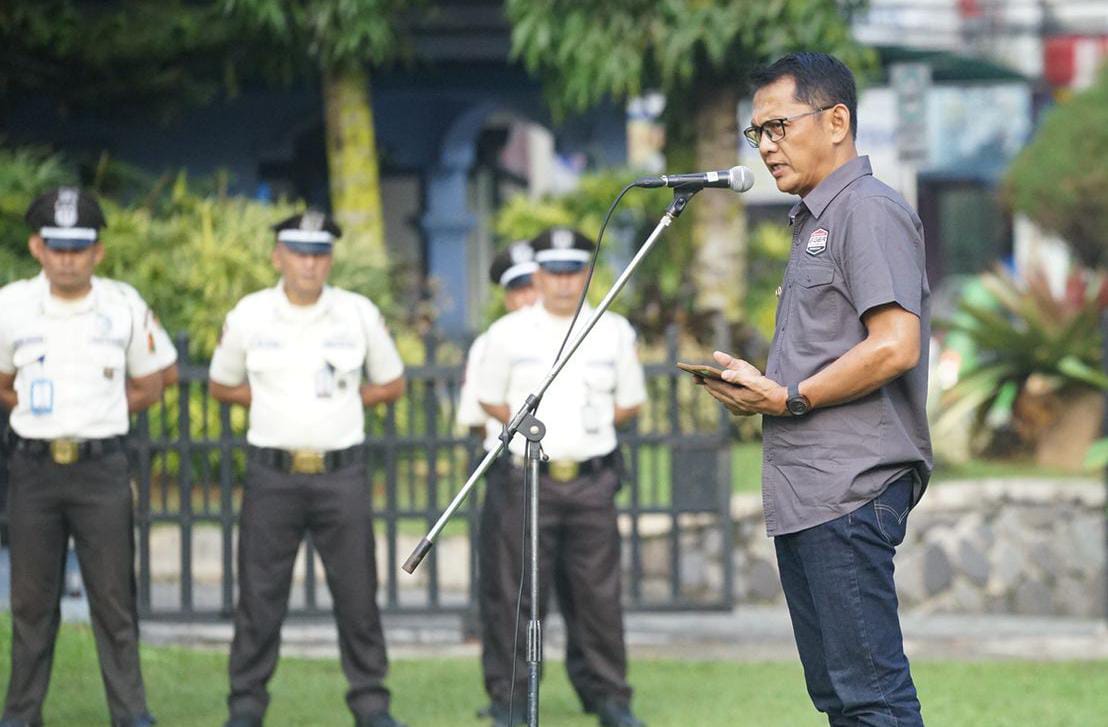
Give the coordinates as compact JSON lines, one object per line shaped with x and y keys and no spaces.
{"x":775,"y":128}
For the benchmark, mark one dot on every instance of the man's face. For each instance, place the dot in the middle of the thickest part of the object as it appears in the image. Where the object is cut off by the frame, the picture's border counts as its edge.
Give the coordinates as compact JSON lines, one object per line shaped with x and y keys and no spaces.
{"x":304,"y":274}
{"x":520,"y":296}
{"x":69,"y":271}
{"x":560,"y":291}
{"x":806,"y":154}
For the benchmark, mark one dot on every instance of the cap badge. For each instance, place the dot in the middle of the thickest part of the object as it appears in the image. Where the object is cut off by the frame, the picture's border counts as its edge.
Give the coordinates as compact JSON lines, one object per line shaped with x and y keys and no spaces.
{"x":65,"y":207}
{"x":521,"y":254}
{"x":561,"y":239}
{"x":817,"y":242}
{"x":311,"y":221}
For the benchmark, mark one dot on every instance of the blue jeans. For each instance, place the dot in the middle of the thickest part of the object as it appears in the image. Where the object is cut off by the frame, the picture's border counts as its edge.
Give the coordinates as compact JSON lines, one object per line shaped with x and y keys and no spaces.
{"x":838,"y":582}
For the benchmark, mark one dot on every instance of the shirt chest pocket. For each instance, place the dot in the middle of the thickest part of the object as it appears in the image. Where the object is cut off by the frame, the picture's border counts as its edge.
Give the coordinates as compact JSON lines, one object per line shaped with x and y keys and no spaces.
{"x":29,"y":355}
{"x":819,"y":303}
{"x":111,"y":361}
{"x":266,"y":365}
{"x":346,"y":364}
{"x":600,"y":378}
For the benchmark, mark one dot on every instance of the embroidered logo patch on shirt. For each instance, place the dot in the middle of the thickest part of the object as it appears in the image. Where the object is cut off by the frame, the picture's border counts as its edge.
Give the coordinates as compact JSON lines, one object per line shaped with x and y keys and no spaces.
{"x":817,"y":242}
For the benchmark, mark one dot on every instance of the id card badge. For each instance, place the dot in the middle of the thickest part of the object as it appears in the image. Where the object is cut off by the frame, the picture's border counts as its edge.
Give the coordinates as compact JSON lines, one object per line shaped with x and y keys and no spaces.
{"x":42,"y":397}
{"x":590,"y":419}
{"x":325,"y":382}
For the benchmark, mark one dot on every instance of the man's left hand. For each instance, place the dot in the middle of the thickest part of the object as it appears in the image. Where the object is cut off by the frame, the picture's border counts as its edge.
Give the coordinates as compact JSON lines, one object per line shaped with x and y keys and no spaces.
{"x":744,"y":390}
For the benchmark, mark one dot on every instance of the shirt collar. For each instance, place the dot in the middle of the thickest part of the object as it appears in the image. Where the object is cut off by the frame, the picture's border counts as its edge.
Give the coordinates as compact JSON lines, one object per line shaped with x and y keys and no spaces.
{"x":301,"y":312}
{"x":819,"y":198}
{"x":57,"y":307}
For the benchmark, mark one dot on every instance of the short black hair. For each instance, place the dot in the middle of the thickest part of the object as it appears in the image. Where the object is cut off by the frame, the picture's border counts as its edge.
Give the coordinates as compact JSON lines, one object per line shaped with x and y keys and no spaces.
{"x":821,"y":80}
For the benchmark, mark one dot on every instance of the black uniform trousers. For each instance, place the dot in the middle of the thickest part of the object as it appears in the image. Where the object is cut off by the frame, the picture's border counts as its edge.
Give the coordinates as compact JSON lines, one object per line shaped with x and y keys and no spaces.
{"x":277,"y":510}
{"x":577,"y":529}
{"x":489,"y":550}
{"x":89,"y":500}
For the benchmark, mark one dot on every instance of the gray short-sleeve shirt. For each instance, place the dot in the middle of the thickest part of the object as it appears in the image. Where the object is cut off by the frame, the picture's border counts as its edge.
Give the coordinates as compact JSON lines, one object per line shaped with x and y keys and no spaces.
{"x":856,"y":245}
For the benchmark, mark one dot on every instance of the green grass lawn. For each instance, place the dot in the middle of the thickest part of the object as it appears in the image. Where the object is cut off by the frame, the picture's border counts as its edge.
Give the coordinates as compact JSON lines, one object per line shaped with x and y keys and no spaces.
{"x":187,"y":688}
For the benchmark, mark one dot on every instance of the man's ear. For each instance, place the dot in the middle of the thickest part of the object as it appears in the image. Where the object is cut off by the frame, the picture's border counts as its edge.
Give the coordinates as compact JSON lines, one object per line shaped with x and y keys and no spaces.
{"x":34,"y":243}
{"x":97,"y":252}
{"x":275,"y":258}
{"x":840,"y":123}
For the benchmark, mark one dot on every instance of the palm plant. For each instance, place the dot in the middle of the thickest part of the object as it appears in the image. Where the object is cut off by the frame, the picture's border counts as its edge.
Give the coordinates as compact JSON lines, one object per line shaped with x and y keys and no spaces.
{"x":1034,"y":349}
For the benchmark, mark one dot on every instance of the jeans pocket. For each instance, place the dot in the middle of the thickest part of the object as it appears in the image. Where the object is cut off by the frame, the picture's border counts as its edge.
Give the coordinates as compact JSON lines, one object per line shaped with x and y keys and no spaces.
{"x":890,"y":509}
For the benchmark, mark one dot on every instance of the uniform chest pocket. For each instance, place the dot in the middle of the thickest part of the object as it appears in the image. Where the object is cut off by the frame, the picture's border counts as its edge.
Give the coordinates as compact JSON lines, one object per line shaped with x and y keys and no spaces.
{"x":109,"y":357}
{"x":344,"y":360}
{"x":819,"y":303}
{"x":600,"y":377}
{"x":28,"y":354}
{"x":265,"y":362}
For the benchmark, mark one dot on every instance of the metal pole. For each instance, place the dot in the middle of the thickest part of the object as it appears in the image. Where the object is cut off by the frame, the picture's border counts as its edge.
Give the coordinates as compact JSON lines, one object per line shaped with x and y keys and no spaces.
{"x":1104,"y":431}
{"x":534,"y":626}
{"x":681,"y":199}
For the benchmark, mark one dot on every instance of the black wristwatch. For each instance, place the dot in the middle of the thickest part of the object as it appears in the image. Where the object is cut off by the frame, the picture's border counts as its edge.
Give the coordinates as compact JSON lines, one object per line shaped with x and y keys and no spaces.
{"x":797,"y":404}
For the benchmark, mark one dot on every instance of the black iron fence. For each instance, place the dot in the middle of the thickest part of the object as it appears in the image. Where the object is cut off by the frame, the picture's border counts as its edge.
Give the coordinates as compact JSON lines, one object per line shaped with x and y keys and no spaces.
{"x":189,"y":457}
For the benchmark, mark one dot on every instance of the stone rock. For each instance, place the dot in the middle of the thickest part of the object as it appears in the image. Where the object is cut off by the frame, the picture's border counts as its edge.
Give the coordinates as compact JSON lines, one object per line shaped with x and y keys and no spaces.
{"x":1007,"y":567}
{"x":1033,"y":598}
{"x":764,"y":584}
{"x":1085,"y":537}
{"x":972,"y":562}
{"x":937,"y":571}
{"x":694,"y":569}
{"x":1044,"y":555}
{"x":1072,"y":597}
{"x":909,"y":577}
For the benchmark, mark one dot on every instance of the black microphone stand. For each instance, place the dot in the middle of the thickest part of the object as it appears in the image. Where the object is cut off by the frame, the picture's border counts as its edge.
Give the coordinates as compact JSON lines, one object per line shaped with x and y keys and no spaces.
{"x":524,"y":422}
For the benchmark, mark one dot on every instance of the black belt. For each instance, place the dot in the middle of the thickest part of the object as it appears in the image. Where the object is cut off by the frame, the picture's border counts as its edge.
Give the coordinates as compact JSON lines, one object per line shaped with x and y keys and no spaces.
{"x":67,"y":451}
{"x":566,"y":470}
{"x":306,"y":461}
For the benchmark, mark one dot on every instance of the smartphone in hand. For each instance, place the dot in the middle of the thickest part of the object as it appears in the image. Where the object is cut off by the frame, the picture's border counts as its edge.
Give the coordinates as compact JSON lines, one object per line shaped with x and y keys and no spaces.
{"x":702,"y":370}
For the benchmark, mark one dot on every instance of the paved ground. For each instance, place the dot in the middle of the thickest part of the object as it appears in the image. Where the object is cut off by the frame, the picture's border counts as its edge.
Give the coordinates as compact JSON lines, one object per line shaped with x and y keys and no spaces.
{"x":747,"y":633}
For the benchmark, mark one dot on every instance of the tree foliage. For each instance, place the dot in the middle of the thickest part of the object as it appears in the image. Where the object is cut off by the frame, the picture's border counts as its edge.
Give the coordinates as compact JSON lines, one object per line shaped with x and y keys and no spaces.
{"x":588,"y":51}
{"x":1060,"y":179}
{"x":191,"y":254}
{"x":118,"y":54}
{"x":336,"y":34}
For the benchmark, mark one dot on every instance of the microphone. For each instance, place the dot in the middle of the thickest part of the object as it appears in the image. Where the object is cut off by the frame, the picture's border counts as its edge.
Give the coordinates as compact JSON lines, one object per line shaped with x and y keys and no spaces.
{"x":737,"y":179}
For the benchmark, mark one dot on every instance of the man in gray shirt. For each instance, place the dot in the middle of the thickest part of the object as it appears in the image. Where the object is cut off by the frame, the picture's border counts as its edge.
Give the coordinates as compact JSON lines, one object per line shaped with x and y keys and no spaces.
{"x":847,"y":448}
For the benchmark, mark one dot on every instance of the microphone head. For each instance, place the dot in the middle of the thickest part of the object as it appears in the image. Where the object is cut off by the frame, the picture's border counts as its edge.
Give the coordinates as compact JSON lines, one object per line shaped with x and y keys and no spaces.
{"x":742,"y":178}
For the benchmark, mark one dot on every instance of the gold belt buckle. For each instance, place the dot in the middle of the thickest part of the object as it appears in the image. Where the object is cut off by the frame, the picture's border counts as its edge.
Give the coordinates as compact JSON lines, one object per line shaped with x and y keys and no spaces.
{"x":307,"y":462}
{"x":63,"y":451}
{"x":563,"y":470}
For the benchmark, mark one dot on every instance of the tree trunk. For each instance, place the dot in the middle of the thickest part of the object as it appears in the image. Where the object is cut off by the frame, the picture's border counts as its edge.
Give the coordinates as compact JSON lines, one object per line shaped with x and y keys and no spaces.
{"x":352,"y":165}
{"x":719,"y":218}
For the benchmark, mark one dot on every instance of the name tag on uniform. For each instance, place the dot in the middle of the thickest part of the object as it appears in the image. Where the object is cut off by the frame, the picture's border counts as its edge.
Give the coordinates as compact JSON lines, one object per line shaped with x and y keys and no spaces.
{"x":42,"y":396}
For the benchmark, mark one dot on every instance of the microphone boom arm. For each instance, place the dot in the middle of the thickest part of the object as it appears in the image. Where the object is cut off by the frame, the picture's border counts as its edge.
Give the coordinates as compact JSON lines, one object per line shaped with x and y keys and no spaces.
{"x":681,"y":197}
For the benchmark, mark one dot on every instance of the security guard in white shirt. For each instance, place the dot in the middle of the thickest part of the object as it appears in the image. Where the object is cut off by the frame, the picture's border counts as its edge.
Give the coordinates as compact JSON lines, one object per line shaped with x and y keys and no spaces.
{"x":295,"y":355}
{"x":76,"y":356}
{"x":600,"y":388}
{"x":512,"y":269}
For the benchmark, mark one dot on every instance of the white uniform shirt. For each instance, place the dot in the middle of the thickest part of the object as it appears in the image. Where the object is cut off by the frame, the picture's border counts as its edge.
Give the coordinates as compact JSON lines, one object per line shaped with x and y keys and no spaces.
{"x":305,"y":365}
{"x":71,"y":359}
{"x":579,"y":407}
{"x":164,"y":350}
{"x":470,"y":413}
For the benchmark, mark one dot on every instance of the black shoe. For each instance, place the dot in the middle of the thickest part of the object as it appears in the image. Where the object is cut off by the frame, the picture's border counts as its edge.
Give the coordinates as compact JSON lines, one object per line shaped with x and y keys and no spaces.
{"x":501,"y":718}
{"x":381,"y":719}
{"x":143,"y":720}
{"x":612,"y":713}
{"x":13,"y":722}
{"x":244,"y":720}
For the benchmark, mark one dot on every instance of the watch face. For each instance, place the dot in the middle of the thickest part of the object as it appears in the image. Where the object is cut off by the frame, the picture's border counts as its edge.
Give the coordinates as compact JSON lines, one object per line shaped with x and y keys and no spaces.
{"x":798,"y":406}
